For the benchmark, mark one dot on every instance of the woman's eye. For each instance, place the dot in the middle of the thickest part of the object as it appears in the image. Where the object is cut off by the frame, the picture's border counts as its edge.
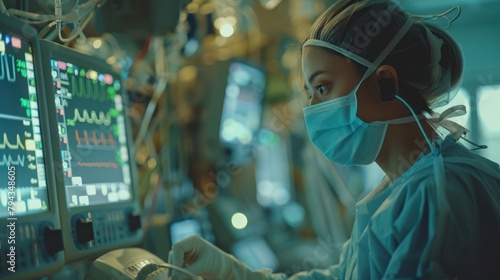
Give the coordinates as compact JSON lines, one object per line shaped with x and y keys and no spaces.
{"x":322,"y":89}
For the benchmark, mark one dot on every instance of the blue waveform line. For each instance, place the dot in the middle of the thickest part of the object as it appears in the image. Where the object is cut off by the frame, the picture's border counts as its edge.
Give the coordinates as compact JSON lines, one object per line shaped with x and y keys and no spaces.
{"x":8,"y":161}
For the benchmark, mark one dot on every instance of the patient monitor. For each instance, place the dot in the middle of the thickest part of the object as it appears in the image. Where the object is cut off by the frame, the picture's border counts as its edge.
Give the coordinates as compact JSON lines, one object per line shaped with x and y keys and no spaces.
{"x":97,"y":190}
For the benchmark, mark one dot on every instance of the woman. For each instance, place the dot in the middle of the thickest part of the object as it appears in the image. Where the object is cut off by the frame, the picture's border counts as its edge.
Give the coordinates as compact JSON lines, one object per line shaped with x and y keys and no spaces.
{"x":371,"y":72}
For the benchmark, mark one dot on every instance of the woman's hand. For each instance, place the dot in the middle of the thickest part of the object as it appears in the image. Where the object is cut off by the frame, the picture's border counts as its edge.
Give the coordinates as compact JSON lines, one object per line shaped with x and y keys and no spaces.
{"x":202,"y":258}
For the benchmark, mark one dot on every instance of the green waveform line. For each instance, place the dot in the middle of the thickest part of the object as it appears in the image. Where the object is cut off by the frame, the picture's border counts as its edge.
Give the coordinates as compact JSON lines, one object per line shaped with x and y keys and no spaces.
{"x":85,"y":88}
{"x":92,"y":117}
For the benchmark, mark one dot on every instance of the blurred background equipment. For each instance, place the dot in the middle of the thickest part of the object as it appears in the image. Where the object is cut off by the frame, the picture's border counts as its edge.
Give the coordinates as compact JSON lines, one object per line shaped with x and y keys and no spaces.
{"x":138,"y":19}
{"x":234,"y":92}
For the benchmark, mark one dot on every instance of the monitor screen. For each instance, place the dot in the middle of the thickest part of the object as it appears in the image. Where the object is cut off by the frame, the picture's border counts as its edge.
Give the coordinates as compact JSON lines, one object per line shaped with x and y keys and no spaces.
{"x":242,"y":108}
{"x":23,"y":187}
{"x":93,"y":140}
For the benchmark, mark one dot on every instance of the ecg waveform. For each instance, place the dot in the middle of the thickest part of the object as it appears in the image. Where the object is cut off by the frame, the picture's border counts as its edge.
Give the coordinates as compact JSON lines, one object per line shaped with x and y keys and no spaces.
{"x":99,"y":164}
{"x":8,"y":160}
{"x":93,"y":117}
{"x":102,"y":140}
{"x":5,"y":65}
{"x":17,"y":144}
{"x":86,"y":89}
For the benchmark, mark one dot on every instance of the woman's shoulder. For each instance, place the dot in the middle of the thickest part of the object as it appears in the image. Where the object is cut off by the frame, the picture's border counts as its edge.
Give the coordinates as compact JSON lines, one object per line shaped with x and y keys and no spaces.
{"x":467,"y":178}
{"x":461,"y":166}
{"x":459,"y":159}
{"x":449,"y":225}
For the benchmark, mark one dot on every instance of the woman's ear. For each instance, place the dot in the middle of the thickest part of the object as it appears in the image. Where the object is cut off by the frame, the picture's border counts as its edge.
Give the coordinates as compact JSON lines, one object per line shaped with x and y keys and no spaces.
{"x":388,"y":72}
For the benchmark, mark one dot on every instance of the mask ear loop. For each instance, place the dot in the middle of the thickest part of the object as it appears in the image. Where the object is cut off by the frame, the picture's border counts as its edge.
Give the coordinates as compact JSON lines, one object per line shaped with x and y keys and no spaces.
{"x":441,"y":15}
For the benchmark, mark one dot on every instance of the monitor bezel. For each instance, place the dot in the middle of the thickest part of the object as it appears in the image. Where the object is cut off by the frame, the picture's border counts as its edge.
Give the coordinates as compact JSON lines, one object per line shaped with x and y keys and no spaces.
{"x":56,"y":51}
{"x":25,"y":32}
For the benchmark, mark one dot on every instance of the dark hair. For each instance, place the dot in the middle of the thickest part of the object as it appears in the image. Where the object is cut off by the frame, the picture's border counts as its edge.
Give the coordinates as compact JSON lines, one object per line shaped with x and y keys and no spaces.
{"x":366,"y":27}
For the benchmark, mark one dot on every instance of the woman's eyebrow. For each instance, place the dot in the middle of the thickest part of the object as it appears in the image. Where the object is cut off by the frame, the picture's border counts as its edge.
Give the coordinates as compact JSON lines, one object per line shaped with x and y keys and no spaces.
{"x":313,"y":75}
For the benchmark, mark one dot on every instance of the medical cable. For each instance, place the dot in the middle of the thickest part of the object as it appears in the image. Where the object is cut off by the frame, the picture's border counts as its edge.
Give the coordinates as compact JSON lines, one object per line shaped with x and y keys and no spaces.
{"x":418,"y":122}
{"x":478,"y":146}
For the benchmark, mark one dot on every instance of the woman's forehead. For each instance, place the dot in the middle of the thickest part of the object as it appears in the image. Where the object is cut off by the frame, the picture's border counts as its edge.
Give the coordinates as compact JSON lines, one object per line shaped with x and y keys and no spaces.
{"x":314,"y":57}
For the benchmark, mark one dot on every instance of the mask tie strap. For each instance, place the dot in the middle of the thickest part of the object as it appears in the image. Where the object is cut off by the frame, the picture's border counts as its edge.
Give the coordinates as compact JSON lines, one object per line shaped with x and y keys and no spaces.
{"x":457,"y":131}
{"x":404,"y":120}
{"x":342,"y":51}
{"x":401,"y":33}
{"x":455,"y":111}
{"x":442,"y":120}
{"x":441,"y":15}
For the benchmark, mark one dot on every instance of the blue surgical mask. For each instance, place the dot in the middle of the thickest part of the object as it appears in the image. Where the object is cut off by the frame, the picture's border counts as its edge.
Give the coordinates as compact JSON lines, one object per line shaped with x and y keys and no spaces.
{"x":342,"y":136}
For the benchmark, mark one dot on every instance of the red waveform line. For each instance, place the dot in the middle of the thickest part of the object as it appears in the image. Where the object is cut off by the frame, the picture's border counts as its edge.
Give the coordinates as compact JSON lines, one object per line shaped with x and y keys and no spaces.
{"x":96,"y":141}
{"x":77,"y":137}
{"x":98,"y":164}
{"x":111,"y":139}
{"x":86,"y":137}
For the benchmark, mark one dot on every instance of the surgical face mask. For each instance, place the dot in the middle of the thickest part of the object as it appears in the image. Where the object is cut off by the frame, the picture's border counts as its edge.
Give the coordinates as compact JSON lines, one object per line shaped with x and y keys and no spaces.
{"x":333,"y":125}
{"x":342,"y":136}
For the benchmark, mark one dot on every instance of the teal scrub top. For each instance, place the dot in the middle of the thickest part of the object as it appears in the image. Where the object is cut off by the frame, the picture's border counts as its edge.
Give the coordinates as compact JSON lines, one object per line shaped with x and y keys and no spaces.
{"x":413,"y":229}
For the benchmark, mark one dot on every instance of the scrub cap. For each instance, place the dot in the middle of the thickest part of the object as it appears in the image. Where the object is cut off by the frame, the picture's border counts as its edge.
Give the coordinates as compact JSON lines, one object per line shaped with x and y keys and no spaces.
{"x":362,"y":24}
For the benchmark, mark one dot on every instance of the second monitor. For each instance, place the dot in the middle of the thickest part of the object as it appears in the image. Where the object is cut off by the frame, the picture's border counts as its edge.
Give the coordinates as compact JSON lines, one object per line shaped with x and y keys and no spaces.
{"x":99,"y":202}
